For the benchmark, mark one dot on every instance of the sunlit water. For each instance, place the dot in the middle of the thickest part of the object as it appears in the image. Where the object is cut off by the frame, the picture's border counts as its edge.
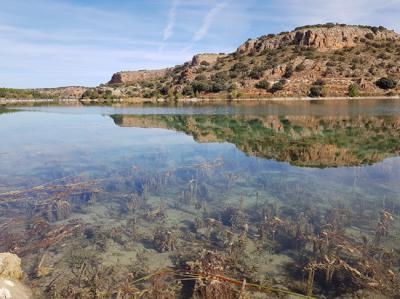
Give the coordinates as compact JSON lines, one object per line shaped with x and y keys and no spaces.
{"x":116,"y":180}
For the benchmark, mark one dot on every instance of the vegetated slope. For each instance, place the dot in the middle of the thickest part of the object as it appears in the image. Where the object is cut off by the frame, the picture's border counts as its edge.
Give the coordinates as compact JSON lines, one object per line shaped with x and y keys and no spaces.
{"x":320,"y":60}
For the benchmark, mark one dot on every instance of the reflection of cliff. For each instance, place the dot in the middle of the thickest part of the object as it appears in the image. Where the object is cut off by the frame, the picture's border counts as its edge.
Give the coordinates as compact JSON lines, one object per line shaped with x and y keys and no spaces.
{"x":299,"y":140}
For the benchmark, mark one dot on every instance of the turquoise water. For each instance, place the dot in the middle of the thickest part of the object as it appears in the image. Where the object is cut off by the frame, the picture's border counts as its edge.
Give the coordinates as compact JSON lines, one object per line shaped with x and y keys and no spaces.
{"x":131,"y":190}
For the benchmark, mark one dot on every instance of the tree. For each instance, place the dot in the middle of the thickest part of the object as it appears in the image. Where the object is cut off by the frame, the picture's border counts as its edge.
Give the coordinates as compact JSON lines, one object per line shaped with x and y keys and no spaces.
{"x":386,"y":83}
{"x":354,"y":90}
{"x":200,"y":86}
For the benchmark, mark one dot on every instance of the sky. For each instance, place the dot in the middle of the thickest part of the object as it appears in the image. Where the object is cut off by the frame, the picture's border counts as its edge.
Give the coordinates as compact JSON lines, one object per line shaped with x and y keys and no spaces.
{"x":51,"y":43}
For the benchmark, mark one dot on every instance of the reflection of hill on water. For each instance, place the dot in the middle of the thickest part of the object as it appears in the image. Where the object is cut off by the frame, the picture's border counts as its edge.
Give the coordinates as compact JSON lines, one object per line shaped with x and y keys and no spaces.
{"x":327,"y":141}
{"x":4,"y":111}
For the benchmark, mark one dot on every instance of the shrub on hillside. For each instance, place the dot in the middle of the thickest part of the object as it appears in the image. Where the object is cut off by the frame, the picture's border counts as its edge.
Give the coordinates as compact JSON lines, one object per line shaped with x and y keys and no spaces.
{"x":300,"y":67}
{"x":256,"y":73}
{"x":263,"y":84}
{"x":369,"y":35}
{"x":239,"y":67}
{"x":354,"y":90}
{"x":217,"y":87}
{"x":317,"y":89}
{"x":200,"y":77}
{"x":386,"y":83}
{"x":280,"y":85}
{"x":200,"y":86}
{"x":187,"y":91}
{"x":288,"y":72}
{"x":220,"y":77}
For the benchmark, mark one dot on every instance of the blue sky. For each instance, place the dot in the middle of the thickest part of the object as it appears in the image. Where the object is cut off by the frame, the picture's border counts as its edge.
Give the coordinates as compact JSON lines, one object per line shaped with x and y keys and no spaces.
{"x":49,"y":43}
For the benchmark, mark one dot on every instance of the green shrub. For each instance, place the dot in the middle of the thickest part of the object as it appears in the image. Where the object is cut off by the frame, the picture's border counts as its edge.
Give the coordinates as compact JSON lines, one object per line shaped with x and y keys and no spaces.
{"x":288,"y":72}
{"x":200,"y":77}
{"x":317,"y":89}
{"x":217,"y":87}
{"x":187,"y":91}
{"x":239,"y":67}
{"x":280,"y":85}
{"x":221,"y":77}
{"x":233,"y":74}
{"x":354,"y":90}
{"x":256,"y":73}
{"x":386,"y":83}
{"x":200,"y":86}
{"x":300,"y":67}
{"x":369,"y":35}
{"x":263,"y":84}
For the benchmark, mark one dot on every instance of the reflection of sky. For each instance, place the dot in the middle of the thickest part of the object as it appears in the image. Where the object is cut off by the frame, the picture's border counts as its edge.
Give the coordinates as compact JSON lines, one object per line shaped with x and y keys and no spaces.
{"x":37,"y":147}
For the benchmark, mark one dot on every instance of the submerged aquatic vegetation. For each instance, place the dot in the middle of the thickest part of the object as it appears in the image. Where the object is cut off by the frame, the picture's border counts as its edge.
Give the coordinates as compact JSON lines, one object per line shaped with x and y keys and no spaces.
{"x":206,"y":221}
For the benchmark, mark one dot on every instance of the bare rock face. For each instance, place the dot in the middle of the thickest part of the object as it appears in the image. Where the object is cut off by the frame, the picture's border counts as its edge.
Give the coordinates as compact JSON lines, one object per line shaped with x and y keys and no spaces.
{"x":207,"y":58}
{"x":10,"y":289}
{"x":10,"y":274}
{"x":136,"y":76}
{"x":320,"y":38}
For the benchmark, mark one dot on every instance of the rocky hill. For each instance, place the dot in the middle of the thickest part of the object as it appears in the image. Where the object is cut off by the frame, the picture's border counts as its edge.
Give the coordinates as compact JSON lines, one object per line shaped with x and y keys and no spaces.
{"x":317,"y":61}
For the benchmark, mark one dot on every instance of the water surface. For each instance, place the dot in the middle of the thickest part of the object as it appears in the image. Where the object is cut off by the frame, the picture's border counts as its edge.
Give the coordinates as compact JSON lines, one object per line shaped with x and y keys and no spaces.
{"x":279,"y":191}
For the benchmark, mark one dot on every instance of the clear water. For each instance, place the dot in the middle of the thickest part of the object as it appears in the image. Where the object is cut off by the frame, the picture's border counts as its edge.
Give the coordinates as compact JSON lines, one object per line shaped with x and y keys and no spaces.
{"x":115,"y":181}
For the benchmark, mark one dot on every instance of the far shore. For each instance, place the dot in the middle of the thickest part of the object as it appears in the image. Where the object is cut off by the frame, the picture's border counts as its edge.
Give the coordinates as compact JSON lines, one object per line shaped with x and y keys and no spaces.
{"x":5,"y":102}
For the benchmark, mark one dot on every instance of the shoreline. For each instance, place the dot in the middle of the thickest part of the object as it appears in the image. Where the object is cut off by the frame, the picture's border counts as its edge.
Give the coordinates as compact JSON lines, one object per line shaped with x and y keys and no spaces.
{"x":5,"y":102}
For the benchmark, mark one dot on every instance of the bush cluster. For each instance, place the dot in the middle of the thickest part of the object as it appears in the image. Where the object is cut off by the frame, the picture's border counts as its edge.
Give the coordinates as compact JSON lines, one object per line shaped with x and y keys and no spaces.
{"x":317,"y":89}
{"x":386,"y":83}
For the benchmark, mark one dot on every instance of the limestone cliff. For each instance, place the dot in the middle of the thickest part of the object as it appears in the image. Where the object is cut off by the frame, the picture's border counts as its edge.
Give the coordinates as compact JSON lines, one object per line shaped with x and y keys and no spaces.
{"x":321,"y":38}
{"x":136,"y":76}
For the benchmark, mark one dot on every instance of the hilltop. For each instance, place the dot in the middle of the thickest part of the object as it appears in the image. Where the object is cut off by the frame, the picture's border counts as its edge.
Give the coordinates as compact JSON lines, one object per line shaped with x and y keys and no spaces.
{"x":316,"y":60}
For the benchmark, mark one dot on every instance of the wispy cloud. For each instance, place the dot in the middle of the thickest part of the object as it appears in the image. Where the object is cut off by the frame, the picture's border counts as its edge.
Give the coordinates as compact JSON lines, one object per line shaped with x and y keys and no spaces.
{"x":206,"y":24}
{"x":168,"y":30}
{"x":209,"y":18}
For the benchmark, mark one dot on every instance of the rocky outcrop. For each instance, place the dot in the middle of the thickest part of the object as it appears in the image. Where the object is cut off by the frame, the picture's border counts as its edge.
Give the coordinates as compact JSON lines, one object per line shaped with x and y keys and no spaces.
{"x":206,"y":59}
{"x":10,"y":266}
{"x":320,"y":38}
{"x":68,"y":92}
{"x":10,"y":274}
{"x":136,"y":76}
